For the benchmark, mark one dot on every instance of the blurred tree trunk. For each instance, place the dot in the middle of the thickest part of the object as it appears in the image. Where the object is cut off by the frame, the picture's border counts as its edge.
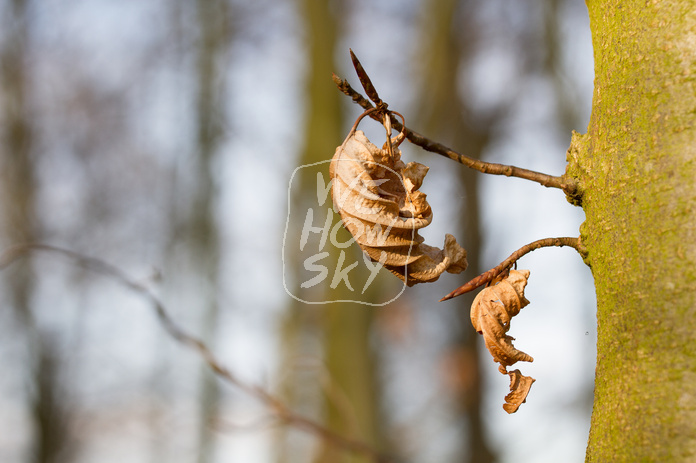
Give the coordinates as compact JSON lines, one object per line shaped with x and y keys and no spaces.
{"x":351,"y":397}
{"x":202,"y":235}
{"x":51,"y":440}
{"x":351,"y":403}
{"x":636,"y":168}
{"x":445,"y":115}
{"x":18,"y":181}
{"x":565,"y":95}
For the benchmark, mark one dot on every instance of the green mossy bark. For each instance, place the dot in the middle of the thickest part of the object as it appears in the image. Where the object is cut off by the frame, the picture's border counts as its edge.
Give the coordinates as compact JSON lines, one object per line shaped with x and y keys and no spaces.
{"x":636,"y":169}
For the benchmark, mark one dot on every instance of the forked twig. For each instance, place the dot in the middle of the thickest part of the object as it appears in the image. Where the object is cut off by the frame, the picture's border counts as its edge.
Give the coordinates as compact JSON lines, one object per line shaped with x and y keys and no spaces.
{"x":279,"y":409}
{"x":507,"y":263}
{"x":568,"y":185}
{"x":379,"y":112}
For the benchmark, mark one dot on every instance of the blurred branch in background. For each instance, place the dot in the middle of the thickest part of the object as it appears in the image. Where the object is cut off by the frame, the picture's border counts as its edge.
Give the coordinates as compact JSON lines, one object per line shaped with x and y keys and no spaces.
{"x":280,"y":410}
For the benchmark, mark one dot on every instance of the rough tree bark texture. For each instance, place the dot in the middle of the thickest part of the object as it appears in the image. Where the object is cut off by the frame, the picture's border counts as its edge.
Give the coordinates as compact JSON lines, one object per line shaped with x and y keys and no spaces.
{"x":637,"y":172}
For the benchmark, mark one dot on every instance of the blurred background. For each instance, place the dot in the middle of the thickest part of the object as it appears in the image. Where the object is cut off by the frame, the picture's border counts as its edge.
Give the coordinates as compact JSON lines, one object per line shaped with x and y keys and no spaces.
{"x":162,"y":137}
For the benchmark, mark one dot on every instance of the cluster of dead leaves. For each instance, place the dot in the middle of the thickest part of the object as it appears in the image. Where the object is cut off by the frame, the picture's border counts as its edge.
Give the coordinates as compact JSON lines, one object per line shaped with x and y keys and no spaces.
{"x":491,"y":314}
{"x":380,"y":204}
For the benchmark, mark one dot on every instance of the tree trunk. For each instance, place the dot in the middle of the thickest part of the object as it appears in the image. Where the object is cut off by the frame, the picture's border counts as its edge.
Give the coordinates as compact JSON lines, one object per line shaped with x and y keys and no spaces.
{"x":348,"y":374}
{"x":49,"y":410}
{"x":636,"y":167}
{"x":212,"y":45}
{"x":447,"y":42}
{"x":351,"y":403}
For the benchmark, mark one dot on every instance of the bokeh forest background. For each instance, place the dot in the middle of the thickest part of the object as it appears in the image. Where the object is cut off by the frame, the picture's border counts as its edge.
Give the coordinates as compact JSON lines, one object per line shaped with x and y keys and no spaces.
{"x":161,"y":136}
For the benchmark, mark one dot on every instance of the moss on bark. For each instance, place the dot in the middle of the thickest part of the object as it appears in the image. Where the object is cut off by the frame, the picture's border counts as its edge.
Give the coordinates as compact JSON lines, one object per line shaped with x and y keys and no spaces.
{"x":636,"y":169}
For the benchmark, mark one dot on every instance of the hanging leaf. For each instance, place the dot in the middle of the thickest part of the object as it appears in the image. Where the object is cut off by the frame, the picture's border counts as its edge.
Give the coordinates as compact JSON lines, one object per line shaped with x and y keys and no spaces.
{"x":379,"y":202}
{"x":519,"y":389}
{"x":491,"y":314}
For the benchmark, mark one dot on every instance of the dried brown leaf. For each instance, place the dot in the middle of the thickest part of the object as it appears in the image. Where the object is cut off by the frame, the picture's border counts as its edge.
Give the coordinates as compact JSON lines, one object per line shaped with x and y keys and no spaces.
{"x":519,"y":389}
{"x":491,"y":313}
{"x":378,"y":199}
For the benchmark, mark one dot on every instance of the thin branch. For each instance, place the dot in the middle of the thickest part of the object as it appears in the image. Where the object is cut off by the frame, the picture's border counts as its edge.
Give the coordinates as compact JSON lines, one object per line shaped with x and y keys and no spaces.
{"x":566,"y":184}
{"x":507,"y":263}
{"x":279,"y":409}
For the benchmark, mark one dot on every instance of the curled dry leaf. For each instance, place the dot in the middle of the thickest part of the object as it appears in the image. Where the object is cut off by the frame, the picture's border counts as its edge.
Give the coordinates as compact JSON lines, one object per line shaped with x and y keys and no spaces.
{"x":519,"y":388}
{"x":379,"y":202}
{"x":491,"y":312}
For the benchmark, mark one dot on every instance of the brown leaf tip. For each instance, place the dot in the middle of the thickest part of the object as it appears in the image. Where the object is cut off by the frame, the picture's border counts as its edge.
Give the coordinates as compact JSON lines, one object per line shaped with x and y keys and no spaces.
{"x":519,"y":389}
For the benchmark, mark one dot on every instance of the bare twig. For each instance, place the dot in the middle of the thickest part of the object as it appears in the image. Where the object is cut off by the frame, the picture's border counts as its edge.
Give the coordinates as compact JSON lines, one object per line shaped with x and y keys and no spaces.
{"x":566,"y":184}
{"x":280,"y":410}
{"x":507,"y":263}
